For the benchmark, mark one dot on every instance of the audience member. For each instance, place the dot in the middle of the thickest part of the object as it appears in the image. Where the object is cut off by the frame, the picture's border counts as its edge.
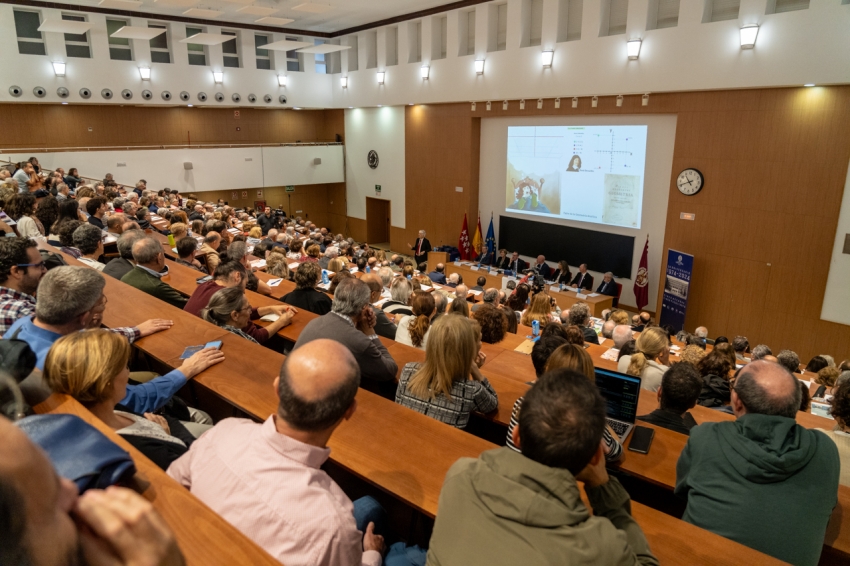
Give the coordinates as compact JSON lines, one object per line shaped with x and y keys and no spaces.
{"x":608,"y":329}
{"x":383,"y":326}
{"x":574,"y":335}
{"x":622,"y":334}
{"x":716,"y":371}
{"x":352,"y":323}
{"x":490,"y":297}
{"x":742,"y":347}
{"x":539,"y":310}
{"x":679,"y":391}
{"x":479,"y":284}
{"x":21,"y":269}
{"x":816,"y":364}
{"x":735,"y":474}
{"x":487,"y":499}
{"x":338,"y":277}
{"x":579,"y":315}
{"x":97,"y":207}
{"x":448,"y":386}
{"x":209,"y":249}
{"x":229,"y":308}
{"x":437,"y":276}
{"x":441,"y":304}
{"x":826,"y":379}
{"x":649,"y":360}
{"x":692,"y":355}
{"x":186,"y":248}
{"x":147,"y":274}
{"x":413,"y":330}
{"x":21,"y":208}
{"x":840,"y":411}
{"x":460,"y":307}
{"x":89,"y":240}
{"x":541,"y":351}
{"x":120,"y":266}
{"x":306,"y":296}
{"x":493,"y":322}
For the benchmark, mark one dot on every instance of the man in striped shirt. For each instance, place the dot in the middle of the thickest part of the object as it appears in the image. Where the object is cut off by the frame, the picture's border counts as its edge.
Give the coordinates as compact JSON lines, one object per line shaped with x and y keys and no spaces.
{"x":21,"y":268}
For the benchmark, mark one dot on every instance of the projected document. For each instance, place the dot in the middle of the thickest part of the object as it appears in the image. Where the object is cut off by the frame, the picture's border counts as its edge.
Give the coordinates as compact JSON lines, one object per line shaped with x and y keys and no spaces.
{"x":583,"y":173}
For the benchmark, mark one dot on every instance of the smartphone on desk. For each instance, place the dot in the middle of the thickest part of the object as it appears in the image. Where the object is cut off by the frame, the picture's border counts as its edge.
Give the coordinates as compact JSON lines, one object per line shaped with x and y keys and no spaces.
{"x":204,"y":279}
{"x":190,"y":350}
{"x":641,"y":439}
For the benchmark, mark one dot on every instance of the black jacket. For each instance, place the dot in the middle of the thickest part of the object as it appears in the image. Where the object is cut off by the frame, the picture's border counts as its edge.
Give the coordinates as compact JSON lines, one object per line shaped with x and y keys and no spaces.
{"x":670,"y":420}
{"x":609,"y":289}
{"x":384,"y":326}
{"x":265,"y":222}
{"x":309,"y":299}
{"x":426,"y":247}
{"x":564,"y":278}
{"x":715,"y":391}
{"x":502,"y":262}
{"x":586,"y":283}
{"x":590,"y":335}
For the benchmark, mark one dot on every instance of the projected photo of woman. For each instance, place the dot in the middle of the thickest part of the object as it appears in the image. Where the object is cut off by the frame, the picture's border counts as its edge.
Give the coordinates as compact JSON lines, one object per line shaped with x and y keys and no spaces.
{"x":575,"y":164}
{"x":527,"y":195}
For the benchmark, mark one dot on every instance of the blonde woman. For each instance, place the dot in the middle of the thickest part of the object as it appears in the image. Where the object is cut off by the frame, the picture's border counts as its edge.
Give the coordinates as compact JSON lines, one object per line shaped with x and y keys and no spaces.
{"x":448,"y":386}
{"x":692,"y":354}
{"x":414,"y":330}
{"x":336,"y":265}
{"x":651,"y":358}
{"x":256,"y":232}
{"x":179,"y":230}
{"x":277,"y":263}
{"x":540,"y":310}
{"x":91,"y":367}
{"x":620,"y":316}
{"x":571,"y":356}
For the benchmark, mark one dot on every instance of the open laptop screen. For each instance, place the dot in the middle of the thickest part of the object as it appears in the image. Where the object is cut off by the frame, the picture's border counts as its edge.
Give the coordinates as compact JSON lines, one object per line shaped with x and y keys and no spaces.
{"x":620,"y":392}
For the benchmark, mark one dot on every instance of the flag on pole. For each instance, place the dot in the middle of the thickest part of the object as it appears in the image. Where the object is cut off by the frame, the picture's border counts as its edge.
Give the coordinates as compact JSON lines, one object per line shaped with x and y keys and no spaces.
{"x":463,"y":242}
{"x":490,"y":241}
{"x":641,"y":287}
{"x":476,"y":240}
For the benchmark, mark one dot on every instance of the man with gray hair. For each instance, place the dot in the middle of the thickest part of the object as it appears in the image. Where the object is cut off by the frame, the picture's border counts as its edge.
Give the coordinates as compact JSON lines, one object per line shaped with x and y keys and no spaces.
{"x":579,"y":315}
{"x":789,"y":360}
{"x":760,"y":352}
{"x":351,"y":322}
{"x":752,"y":480}
{"x":331,"y":252}
{"x":621,"y":335}
{"x":386,"y":275}
{"x":608,"y":286}
{"x":490,"y":297}
{"x":441,"y":303}
{"x":741,"y":346}
{"x":148,"y":272}
{"x":608,"y":329}
{"x":461,"y":292}
{"x":120,"y":266}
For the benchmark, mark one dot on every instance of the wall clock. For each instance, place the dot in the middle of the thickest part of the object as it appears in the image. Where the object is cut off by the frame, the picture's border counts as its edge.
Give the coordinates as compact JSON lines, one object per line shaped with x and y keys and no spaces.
{"x":690,"y":182}
{"x":372,"y":159}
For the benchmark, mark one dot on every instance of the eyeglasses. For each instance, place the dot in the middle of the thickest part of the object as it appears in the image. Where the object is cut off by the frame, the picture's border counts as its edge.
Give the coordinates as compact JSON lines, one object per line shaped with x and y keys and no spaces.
{"x":39,"y":265}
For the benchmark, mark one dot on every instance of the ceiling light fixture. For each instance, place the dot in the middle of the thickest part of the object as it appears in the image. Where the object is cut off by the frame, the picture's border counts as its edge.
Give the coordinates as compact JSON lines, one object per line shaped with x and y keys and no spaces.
{"x":424,"y":71}
{"x":488,"y":106}
{"x":633,"y":48}
{"x":748,"y":36}
{"x":381,"y":75}
{"x":546,"y":58}
{"x":479,"y":66}
{"x":145,"y":73}
{"x":59,"y":68}
{"x":809,"y":84}
{"x":281,"y":80}
{"x":218,"y":77}
{"x":343,"y":81}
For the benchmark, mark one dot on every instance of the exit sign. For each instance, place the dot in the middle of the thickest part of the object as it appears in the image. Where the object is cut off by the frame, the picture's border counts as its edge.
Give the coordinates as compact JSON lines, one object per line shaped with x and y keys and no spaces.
{"x":290,"y":188}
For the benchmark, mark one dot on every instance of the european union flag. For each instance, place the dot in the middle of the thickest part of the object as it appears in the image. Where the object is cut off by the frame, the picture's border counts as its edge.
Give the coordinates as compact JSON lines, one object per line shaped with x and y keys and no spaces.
{"x":490,"y":241}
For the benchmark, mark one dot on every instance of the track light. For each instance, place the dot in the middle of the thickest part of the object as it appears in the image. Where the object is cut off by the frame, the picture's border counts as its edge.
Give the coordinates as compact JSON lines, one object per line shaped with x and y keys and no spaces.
{"x":619,"y":100}
{"x":479,"y":66}
{"x":381,"y":75}
{"x":473,"y":107}
{"x":540,"y":104}
{"x":546,"y":58}
{"x":594,"y":102}
{"x":505,"y":105}
{"x":575,"y":102}
{"x":644,"y":100}
{"x":218,"y":77}
{"x":281,"y":80}
{"x":59,"y":68}
{"x":557,"y":103}
{"x":748,"y":36}
{"x":145,"y":73}
{"x":424,"y":71}
{"x":522,"y":104}
{"x":343,"y":82}
{"x":633,"y":48}
{"x":488,"y":106}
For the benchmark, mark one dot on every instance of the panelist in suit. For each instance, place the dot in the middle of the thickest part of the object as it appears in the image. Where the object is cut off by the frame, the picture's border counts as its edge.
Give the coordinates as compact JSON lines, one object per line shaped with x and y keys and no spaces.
{"x":517,"y":265}
{"x":562,"y":275}
{"x":503,"y":261}
{"x":608,"y":287}
{"x":583,"y":279}
{"x":542,"y":267}
{"x":421,"y":248}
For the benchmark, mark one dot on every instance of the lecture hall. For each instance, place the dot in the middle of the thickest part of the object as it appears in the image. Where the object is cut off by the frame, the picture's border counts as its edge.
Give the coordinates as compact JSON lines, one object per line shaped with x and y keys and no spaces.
{"x":476,"y":282}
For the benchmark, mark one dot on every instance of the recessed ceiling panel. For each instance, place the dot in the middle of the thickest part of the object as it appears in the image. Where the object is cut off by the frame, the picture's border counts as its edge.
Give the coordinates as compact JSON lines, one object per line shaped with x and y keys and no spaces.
{"x":257,"y":10}
{"x":202,"y":13}
{"x":313,"y":8}
{"x":178,"y":3}
{"x":120,"y":4}
{"x":325,"y":48}
{"x":271,"y":20}
{"x":130,"y":32}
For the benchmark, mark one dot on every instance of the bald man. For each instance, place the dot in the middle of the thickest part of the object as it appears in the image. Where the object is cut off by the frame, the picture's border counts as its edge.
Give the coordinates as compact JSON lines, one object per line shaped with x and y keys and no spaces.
{"x":266,"y":479}
{"x":115,"y":526}
{"x":762,"y":480}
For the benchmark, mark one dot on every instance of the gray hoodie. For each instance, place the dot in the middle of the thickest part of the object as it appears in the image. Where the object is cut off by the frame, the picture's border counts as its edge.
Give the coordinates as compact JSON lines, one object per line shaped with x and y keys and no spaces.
{"x":505,"y":509}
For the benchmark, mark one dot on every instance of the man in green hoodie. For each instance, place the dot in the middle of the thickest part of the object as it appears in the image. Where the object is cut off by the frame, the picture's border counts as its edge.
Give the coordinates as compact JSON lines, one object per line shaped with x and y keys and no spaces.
{"x":507,"y":508}
{"x":762,"y":480}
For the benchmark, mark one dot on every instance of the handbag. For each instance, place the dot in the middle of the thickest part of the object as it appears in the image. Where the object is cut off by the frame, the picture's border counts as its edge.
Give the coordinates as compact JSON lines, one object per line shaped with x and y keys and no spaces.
{"x":78,"y":451}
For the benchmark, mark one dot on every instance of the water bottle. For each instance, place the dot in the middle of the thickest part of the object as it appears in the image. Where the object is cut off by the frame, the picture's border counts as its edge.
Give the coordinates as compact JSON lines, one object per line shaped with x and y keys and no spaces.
{"x":410,"y":277}
{"x":171,"y":240}
{"x":368,"y":269}
{"x":325,"y":279}
{"x":535,"y":328}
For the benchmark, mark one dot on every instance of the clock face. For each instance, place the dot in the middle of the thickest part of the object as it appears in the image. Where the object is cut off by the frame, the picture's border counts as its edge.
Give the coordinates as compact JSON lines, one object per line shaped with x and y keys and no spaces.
{"x":372,"y":159}
{"x":690,"y":182}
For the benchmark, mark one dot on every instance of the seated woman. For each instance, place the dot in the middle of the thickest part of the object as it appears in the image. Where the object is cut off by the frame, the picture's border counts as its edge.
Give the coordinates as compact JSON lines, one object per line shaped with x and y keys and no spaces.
{"x":826,"y":380}
{"x":337,"y":264}
{"x":306,"y":296}
{"x":562,"y":275}
{"x":400,"y":291}
{"x":66,"y":237}
{"x":574,"y":335}
{"x":88,"y":238}
{"x":840,"y":434}
{"x":460,"y":307}
{"x":229,"y":308}
{"x":337,"y":279}
{"x":295,"y":250}
{"x":513,"y":323}
{"x":574,"y":357}
{"x":448,"y":386}
{"x":314,"y":252}
{"x":179,"y":230}
{"x":256,"y":232}
{"x":650,"y":359}
{"x":413,"y":330}
{"x":91,"y":367}
{"x":539,"y":310}
{"x":21,"y":208}
{"x":493,"y":322}
{"x":715,"y":369}
{"x":277,"y":263}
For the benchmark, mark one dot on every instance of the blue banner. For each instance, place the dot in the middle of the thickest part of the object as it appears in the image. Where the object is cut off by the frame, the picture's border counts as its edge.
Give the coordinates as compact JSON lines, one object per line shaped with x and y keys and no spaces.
{"x":677,"y":286}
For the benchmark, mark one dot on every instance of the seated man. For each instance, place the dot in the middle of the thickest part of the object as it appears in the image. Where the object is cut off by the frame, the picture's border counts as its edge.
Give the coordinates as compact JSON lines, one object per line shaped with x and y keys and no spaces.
{"x":306,"y":296}
{"x":384,"y":326}
{"x":525,"y":508}
{"x":679,"y":391}
{"x":479,"y":284}
{"x":286,"y":503}
{"x":762,"y":480}
{"x":21,"y":268}
{"x":116,"y":526}
{"x":608,"y":287}
{"x":437,"y":276}
{"x":579,"y":315}
{"x":186,"y":248}
{"x":643,"y":320}
{"x":583,"y":279}
{"x":742,"y":347}
{"x":461,"y":292}
{"x":608,"y":329}
{"x":541,"y":267}
{"x":147,"y":274}
{"x":621,"y":335}
{"x":352,"y":323}
{"x":453,"y":280}
{"x":490,"y":296}
{"x":209,"y":249}
{"x":120,"y":266}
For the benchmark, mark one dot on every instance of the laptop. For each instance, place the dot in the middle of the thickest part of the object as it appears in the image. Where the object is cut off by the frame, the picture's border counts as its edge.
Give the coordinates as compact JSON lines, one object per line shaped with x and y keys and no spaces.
{"x":621,"y":393}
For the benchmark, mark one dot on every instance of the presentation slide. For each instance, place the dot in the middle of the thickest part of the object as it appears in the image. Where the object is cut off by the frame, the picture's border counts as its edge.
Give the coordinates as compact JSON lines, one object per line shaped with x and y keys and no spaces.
{"x":582,"y":173}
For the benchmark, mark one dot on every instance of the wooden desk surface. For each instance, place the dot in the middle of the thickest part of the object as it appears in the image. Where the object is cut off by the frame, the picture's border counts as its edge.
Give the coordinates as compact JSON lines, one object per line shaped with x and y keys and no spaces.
{"x":204,"y":537}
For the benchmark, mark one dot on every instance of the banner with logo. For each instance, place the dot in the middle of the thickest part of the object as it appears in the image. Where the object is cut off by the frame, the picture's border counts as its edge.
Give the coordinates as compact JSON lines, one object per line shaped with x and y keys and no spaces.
{"x":677,"y":285}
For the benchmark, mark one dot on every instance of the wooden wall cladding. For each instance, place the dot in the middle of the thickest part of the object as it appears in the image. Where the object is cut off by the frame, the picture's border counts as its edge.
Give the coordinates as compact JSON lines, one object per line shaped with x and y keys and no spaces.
{"x":64,"y":126}
{"x":775,"y":163}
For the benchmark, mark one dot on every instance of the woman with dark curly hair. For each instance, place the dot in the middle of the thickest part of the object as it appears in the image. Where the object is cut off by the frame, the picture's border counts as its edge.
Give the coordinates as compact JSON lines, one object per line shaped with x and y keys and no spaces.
{"x":493,"y":322}
{"x":841,"y":433}
{"x":715,"y":368}
{"x":47,"y":211}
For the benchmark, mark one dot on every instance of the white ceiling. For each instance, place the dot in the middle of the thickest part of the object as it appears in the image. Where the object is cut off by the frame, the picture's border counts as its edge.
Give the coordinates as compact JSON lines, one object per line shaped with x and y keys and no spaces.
{"x":342,"y":15}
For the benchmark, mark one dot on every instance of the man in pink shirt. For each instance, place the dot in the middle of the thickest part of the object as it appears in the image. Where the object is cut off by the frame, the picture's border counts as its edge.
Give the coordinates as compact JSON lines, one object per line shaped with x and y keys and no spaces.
{"x":266,"y":480}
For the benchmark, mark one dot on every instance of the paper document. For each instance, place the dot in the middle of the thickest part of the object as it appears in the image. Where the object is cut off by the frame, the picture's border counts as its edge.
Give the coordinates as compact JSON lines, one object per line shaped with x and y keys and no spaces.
{"x":457,"y":263}
{"x":273,"y":282}
{"x":258,"y":263}
{"x":476,"y":293}
{"x":593,"y":295}
{"x":379,"y":303}
{"x":271,"y":317}
{"x":581,"y":296}
{"x":611,"y":355}
{"x":424,"y":287}
{"x":293,"y":265}
{"x":554,"y":288}
{"x":473,"y":268}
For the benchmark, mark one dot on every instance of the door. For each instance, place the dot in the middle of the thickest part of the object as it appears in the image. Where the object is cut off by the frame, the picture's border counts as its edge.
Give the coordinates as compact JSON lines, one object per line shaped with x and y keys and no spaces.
{"x":377,"y":220}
